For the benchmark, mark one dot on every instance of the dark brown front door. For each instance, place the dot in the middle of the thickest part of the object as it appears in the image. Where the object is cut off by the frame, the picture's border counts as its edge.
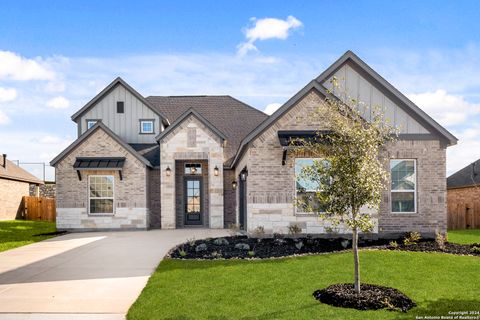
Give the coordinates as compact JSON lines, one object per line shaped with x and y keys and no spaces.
{"x":193,"y":201}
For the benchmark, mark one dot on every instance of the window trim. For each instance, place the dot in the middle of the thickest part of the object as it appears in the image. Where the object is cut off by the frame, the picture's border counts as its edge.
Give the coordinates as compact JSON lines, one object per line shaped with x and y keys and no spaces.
{"x":91,"y":120}
{"x":140,"y":121}
{"x":112,"y":198}
{"x":415,"y":202}
{"x":301,"y":213}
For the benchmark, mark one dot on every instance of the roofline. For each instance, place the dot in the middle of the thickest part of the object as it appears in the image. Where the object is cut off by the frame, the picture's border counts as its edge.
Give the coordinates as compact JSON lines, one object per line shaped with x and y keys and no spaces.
{"x":312,"y":85}
{"x":184,"y":116}
{"x":417,"y":112}
{"x":110,"y":87}
{"x":88,"y":133}
{"x":13,"y":178}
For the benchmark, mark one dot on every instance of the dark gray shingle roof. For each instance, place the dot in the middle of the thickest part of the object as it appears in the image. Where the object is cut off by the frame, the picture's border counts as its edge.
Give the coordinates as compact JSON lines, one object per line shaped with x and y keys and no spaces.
{"x":230,"y":116}
{"x":468,"y":176}
{"x":150,"y":151}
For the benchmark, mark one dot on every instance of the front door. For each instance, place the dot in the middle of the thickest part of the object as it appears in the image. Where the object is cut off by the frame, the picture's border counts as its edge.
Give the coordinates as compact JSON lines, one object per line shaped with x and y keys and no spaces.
{"x":193,"y":201}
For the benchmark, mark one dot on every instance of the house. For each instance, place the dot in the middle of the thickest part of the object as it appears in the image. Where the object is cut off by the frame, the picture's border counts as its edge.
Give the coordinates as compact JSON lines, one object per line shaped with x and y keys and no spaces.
{"x":463,"y":197}
{"x":188,"y":161}
{"x":14,"y":184}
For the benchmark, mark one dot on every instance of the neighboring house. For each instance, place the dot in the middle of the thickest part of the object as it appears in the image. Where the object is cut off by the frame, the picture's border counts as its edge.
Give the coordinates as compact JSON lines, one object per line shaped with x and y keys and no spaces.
{"x":14,"y":184}
{"x":463,"y":197}
{"x":186,"y":161}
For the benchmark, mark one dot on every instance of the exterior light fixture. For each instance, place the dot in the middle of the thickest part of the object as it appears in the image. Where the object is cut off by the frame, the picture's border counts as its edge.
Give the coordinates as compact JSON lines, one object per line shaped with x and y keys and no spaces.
{"x":193,"y":170}
{"x":234,"y":184}
{"x":168,"y":171}
{"x":215,"y":171}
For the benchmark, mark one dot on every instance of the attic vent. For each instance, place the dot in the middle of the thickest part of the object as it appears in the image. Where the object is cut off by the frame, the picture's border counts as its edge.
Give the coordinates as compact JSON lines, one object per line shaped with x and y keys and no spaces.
{"x":120,"y":107}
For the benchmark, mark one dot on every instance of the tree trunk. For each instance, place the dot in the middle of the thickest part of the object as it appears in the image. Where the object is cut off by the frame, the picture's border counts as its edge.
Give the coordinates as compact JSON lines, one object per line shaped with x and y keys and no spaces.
{"x":356,"y":260}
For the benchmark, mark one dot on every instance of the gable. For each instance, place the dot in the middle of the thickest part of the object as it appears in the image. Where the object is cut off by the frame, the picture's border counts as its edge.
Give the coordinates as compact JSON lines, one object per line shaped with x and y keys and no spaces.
{"x":353,"y":85}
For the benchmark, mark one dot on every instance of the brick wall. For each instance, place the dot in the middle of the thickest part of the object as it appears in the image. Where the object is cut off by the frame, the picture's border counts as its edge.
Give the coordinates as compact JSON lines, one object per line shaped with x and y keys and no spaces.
{"x":154,"y":197}
{"x":230,"y":196}
{"x":11,"y":193}
{"x":131,"y":208}
{"x":271,"y":185}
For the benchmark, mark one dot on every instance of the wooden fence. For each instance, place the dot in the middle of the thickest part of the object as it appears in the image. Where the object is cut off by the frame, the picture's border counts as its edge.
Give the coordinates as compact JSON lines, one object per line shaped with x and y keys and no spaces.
{"x":463,"y":215}
{"x":38,"y":208}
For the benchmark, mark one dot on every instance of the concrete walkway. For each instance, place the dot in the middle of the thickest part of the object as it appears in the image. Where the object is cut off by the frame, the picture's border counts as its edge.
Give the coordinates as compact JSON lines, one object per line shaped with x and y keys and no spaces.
{"x":98,"y":274}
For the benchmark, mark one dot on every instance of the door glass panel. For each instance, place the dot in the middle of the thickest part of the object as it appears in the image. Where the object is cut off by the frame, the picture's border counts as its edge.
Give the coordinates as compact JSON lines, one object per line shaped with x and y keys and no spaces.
{"x":193,"y":196}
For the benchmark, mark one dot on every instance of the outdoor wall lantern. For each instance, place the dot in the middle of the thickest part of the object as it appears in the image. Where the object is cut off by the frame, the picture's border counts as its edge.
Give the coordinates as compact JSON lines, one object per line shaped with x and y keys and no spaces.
{"x":193,"y":170}
{"x":168,"y":171}
{"x":234,"y":184}
{"x":215,"y":171}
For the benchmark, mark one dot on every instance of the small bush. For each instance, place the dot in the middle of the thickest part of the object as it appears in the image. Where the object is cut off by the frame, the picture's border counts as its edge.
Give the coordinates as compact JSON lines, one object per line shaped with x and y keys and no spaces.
{"x":294,"y":229}
{"x":345,"y":243}
{"x":216,"y":254}
{"x":393,"y":244}
{"x":201,"y":247}
{"x":258,"y":232}
{"x":475,"y":249}
{"x":182,"y":252}
{"x":220,"y":242}
{"x":233,"y":229}
{"x":191,"y":241}
{"x":411,"y":238}
{"x":299,"y":245}
{"x":251,"y":253}
{"x":242,"y":246}
{"x":440,"y":239}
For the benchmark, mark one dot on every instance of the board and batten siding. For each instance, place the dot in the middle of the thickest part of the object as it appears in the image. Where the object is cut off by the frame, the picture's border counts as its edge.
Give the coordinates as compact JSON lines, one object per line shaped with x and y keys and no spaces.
{"x":355,"y":86}
{"x":126,"y":125}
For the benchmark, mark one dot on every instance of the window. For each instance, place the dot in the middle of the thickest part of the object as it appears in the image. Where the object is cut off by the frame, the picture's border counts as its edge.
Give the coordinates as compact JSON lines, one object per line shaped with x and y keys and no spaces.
{"x":403,"y":185}
{"x":120,"y":107}
{"x":100,"y":194}
{"x":307,"y":187}
{"x":91,"y":123}
{"x":193,"y":168}
{"x":146,"y":126}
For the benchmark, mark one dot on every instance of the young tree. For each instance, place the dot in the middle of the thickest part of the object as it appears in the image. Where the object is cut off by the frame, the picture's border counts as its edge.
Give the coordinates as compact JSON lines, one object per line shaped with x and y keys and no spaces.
{"x":352,"y":173}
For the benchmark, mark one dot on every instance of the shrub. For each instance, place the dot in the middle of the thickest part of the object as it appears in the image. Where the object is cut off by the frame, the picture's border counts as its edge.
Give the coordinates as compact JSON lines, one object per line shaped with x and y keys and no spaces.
{"x":440,"y":239}
{"x":411,"y":238}
{"x":191,"y":241}
{"x":294,"y":229}
{"x":233,"y":229}
{"x":251,"y":253}
{"x":299,"y":245}
{"x":242,"y":246}
{"x":475,"y":249}
{"x":182,"y":252}
{"x":220,"y":242}
{"x":345,"y":243}
{"x":393,"y":244}
{"x":216,"y":254}
{"x":201,"y":247}
{"x":258,"y":232}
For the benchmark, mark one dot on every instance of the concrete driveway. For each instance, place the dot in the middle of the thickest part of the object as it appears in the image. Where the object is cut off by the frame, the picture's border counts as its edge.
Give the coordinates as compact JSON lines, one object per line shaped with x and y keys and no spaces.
{"x":98,"y":274}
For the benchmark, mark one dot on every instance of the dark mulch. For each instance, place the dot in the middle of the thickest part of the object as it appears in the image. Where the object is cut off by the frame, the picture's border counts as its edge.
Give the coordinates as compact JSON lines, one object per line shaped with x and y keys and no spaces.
{"x":55,"y":233}
{"x":242,"y":247}
{"x":371,"y":297}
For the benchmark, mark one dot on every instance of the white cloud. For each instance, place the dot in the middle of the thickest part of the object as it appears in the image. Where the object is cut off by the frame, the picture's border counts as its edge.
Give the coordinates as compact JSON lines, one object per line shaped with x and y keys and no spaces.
{"x":58,"y":103}
{"x":7,"y":94}
{"x":4,"y":119}
{"x":271,"y":108}
{"x":447,"y":109}
{"x":267,"y":28}
{"x":16,"y":67}
{"x":467,"y":149}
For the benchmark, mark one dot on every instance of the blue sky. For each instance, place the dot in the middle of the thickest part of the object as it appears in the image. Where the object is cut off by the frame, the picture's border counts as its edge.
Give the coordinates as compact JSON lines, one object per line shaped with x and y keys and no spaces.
{"x":55,"y":56}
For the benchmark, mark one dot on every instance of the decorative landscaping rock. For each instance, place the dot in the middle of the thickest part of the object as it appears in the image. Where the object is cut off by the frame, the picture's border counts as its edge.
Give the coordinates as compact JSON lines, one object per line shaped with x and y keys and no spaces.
{"x":238,"y":247}
{"x":371,"y":297}
{"x":201,"y":247}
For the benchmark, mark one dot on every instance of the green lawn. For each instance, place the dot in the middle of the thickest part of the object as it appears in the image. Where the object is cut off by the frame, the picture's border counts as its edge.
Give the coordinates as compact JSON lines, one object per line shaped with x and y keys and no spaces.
{"x":17,"y":233}
{"x":282,"y":288}
{"x":467,"y":236}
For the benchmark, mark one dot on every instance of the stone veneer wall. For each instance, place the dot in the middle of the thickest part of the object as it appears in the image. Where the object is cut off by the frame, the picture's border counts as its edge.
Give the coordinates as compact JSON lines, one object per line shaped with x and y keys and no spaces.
{"x":271,"y":185}
{"x":180,"y":145}
{"x":11,"y":197}
{"x":131,"y":209}
{"x":46,"y":190}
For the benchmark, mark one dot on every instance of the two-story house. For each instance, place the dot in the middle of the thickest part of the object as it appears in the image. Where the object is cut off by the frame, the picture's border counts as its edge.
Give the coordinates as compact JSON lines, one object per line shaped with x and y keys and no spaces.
{"x":209,"y":161}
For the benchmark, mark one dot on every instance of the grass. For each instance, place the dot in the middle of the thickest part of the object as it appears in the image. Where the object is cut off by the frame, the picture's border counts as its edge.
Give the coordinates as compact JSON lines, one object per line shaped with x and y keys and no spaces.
{"x":466,"y":236}
{"x":282,"y":288}
{"x":17,"y":233}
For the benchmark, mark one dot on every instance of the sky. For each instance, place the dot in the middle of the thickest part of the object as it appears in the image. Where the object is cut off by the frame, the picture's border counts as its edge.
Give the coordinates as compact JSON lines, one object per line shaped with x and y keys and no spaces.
{"x":57,"y":55}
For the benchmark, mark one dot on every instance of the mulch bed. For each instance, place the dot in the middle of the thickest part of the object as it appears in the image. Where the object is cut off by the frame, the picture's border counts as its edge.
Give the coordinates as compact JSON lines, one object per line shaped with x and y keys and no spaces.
{"x":371,"y":297}
{"x":242,"y":247}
